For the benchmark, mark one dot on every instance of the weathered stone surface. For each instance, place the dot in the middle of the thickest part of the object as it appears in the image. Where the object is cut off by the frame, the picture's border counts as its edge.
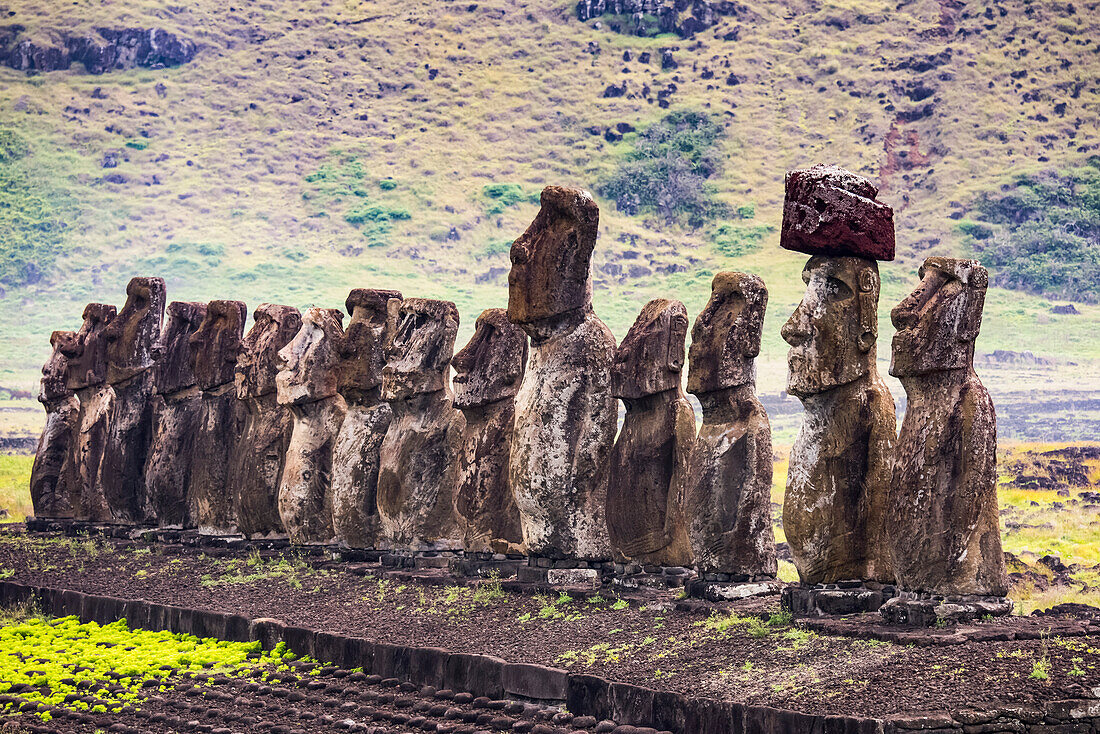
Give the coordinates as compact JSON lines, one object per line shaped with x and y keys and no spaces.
{"x":355,"y":457}
{"x":132,"y":339}
{"x":176,"y":410}
{"x":488,"y":372}
{"x":727,"y":498}
{"x":307,"y":383}
{"x":835,"y":503}
{"x":831,"y":211}
{"x":257,"y":466}
{"x":419,"y":457}
{"x":943,"y":520}
{"x":648,"y":463}
{"x":86,"y":374}
{"x":215,"y":346}
{"x":565,"y":412}
{"x":50,"y":498}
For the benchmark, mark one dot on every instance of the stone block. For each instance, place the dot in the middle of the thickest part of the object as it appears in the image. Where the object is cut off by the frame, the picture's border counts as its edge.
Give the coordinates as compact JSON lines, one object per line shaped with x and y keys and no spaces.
{"x":426,"y":666}
{"x":267,"y":631}
{"x":707,"y":716}
{"x":301,"y":641}
{"x":330,"y":648}
{"x":768,"y":720}
{"x":573,"y":577}
{"x":481,"y":675}
{"x":631,"y":704}
{"x":535,"y":682}
{"x":588,"y":695}
{"x":391,"y":661}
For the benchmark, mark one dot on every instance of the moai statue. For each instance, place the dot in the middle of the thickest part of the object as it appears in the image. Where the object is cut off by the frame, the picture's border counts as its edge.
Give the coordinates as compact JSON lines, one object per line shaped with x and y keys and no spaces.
{"x":645,"y":489}
{"x":359,"y":381}
{"x":86,"y":375}
{"x":50,"y":498}
{"x":257,"y":467}
{"x":840,"y":463}
{"x":943,"y":520}
{"x":176,"y":411}
{"x":565,"y":412}
{"x":306,"y":382}
{"x":419,"y":457}
{"x":131,"y":344}
{"x":214,"y":348}
{"x":488,"y":372}
{"x":729,"y":482}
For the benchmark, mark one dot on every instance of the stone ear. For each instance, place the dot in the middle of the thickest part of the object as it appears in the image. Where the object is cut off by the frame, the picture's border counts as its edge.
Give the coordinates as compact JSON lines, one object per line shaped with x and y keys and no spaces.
{"x":969,"y":313}
{"x":868,"y":309}
{"x":677,"y":338}
{"x":393,"y":318}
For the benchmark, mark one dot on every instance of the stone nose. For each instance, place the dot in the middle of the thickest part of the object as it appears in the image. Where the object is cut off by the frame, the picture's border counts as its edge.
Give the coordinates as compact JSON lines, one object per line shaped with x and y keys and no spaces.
{"x":797,"y":330}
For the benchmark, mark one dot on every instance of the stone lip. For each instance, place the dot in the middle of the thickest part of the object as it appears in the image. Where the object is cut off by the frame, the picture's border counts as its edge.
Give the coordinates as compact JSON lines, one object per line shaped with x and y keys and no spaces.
{"x":830,"y":211}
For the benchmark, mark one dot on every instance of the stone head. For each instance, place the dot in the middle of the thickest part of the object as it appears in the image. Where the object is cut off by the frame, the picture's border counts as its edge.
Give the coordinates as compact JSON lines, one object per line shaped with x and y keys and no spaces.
{"x":175,"y":365}
{"x":490,"y":367}
{"x":307,"y":364}
{"x":54,"y":372}
{"x":422,"y":342}
{"x":650,"y":358}
{"x":273,"y":327}
{"x":133,"y":335}
{"x":726,"y":337}
{"x":830,"y":211}
{"x":363,"y":350}
{"x":551,"y":260}
{"x":939,"y":321}
{"x":217,"y":342}
{"x":832,"y":332}
{"x":87,"y":353}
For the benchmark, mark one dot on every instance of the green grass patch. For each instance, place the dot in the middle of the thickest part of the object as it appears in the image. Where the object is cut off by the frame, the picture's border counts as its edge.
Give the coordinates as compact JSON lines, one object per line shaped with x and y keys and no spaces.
{"x":15,"y":478}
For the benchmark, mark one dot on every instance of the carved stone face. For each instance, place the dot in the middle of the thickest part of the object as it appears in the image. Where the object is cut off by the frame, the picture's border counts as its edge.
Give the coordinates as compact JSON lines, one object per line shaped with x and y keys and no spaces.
{"x":418,"y":356}
{"x":175,"y":363}
{"x":490,"y":367}
{"x":217,"y":342}
{"x":832,"y":332}
{"x":939,"y":321}
{"x":830,"y":211}
{"x":272,"y":328}
{"x":87,"y":353}
{"x":53,"y":384}
{"x":550,"y":261}
{"x":363,"y":350}
{"x":307,"y":364}
{"x":651,"y":356}
{"x":726,"y":337}
{"x":133,"y":335}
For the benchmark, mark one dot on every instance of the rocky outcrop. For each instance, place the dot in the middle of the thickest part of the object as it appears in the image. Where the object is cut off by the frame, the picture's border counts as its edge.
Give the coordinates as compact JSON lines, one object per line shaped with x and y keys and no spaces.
{"x":685,"y":18}
{"x":110,"y":49}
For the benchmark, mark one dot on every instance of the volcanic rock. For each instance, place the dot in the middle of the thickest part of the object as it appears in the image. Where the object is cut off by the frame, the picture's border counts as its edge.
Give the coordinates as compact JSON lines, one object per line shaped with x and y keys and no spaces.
{"x":50,"y":498}
{"x":488,"y":373}
{"x":727,"y":498}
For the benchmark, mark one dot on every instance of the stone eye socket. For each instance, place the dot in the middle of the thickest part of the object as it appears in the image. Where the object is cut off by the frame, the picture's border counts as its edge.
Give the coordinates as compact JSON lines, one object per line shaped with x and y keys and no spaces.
{"x":838,"y":290}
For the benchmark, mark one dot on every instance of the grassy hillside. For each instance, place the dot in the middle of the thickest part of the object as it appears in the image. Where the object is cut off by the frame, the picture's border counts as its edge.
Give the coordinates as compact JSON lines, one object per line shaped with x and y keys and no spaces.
{"x":316,"y":146}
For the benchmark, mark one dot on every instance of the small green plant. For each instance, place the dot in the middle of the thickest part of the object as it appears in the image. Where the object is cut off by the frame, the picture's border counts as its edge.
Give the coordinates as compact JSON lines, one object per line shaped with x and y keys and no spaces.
{"x":1077,"y":671}
{"x":619,"y":604}
{"x":1040,"y":669}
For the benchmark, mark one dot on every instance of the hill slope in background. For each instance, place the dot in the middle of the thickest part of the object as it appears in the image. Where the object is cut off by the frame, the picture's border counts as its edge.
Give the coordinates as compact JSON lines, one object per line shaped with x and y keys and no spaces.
{"x":315,"y":146}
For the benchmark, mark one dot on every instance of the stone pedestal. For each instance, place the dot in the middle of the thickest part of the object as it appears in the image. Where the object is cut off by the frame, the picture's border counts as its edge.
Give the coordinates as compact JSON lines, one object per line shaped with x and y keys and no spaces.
{"x":485,"y":564}
{"x":843,"y":597}
{"x":634,"y":577}
{"x":565,"y":572}
{"x":936,"y":610}
{"x":711,"y":590}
